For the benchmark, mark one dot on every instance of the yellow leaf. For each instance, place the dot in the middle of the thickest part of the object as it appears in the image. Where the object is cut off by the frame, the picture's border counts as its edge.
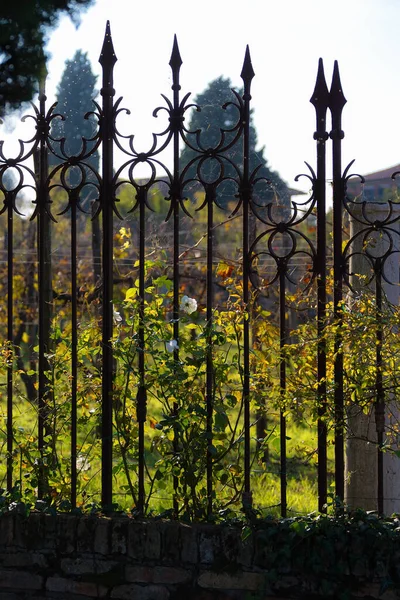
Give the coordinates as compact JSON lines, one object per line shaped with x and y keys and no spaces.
{"x":130,"y":293}
{"x":25,"y":337}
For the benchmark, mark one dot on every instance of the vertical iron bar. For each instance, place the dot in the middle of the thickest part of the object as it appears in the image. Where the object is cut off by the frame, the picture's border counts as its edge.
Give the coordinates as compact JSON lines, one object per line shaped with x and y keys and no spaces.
{"x":107,"y":60}
{"x":282,"y":368}
{"x":320,"y":99}
{"x":336,"y":104}
{"x":247,"y":75}
{"x":176,"y":123}
{"x":74,"y":346}
{"x":380,"y":401}
{"x":141,"y":395}
{"x":10,"y":349}
{"x":45,"y":284}
{"x":210,"y":197}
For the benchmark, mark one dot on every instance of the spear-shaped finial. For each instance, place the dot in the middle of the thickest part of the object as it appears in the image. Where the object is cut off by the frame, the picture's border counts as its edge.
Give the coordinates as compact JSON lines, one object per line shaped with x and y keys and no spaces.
{"x":175,"y":61}
{"x":247,"y":73}
{"x":320,"y":97}
{"x":107,"y":55}
{"x":336,"y":96}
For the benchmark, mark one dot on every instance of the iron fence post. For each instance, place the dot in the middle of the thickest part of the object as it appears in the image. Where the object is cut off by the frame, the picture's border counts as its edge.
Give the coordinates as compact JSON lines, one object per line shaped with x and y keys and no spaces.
{"x":320,"y":99}
{"x":336,"y":104}
{"x":247,"y":76}
{"x":107,"y":60}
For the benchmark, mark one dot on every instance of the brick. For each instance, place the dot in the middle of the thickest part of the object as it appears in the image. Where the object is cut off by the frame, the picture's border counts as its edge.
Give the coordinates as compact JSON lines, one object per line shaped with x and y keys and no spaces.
{"x":138,"y":592}
{"x":189,"y":546}
{"x":23,"y":559}
{"x":81,"y":566}
{"x":119,"y":536}
{"x":85,"y":588}
{"x":209,"y":545}
{"x":102,"y":537}
{"x":228,"y":581}
{"x":20,"y":580}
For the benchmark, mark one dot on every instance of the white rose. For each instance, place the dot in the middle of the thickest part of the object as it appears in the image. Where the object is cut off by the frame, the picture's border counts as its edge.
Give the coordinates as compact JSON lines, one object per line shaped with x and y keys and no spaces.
{"x":188,"y":305}
{"x":172,"y":345}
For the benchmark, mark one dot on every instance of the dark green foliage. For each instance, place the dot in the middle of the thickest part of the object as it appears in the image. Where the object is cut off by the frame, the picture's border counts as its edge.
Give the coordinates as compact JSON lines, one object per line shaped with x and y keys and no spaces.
{"x":328,"y":557}
{"x":24,"y":25}
{"x":217,"y":121}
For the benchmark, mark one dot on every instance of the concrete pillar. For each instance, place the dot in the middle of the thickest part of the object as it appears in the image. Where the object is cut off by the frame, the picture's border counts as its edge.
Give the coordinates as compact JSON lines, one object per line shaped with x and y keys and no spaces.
{"x":361,"y":450}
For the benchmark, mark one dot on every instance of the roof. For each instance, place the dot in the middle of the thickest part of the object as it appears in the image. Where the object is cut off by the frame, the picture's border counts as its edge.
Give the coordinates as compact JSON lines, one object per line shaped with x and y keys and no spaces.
{"x":384,"y":174}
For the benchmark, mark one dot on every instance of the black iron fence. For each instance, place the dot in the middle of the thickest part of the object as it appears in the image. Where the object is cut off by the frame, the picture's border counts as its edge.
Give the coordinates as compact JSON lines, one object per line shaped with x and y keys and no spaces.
{"x":272,"y":254}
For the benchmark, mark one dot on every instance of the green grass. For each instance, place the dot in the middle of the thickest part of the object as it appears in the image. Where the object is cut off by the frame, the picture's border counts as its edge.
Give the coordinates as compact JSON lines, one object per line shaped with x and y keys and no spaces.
{"x":265,"y":476}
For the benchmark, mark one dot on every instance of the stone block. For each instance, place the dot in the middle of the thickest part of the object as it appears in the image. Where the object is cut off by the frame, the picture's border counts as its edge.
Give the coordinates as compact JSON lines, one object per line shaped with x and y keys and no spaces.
{"x":261,"y":549}
{"x":246,"y":551}
{"x":82,"y":566}
{"x":22,"y":537}
{"x":189,"y":544}
{"x":119,"y":536}
{"x":209,"y":545}
{"x":20,"y":580}
{"x":86,"y":534}
{"x":136,"y":539}
{"x":171,"y":575}
{"x":170,"y":541}
{"x":6,"y":530}
{"x":138,"y":592}
{"x":231,"y":581}
{"x":66,"y":533}
{"x":230,"y":542}
{"x":50,"y":541}
{"x":139,"y":574}
{"x":166,"y":575}
{"x":152,"y":546}
{"x":102,"y":536}
{"x":84,"y":588}
{"x":24,"y":559}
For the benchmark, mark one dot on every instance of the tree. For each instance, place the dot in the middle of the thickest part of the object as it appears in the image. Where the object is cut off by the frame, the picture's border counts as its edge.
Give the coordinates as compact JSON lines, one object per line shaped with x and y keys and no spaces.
{"x":24,"y":26}
{"x":212,"y":119}
{"x":75,"y":94}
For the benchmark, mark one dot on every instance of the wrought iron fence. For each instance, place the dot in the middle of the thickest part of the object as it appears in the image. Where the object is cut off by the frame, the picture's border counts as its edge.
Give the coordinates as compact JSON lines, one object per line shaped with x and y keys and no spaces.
{"x":278,"y":255}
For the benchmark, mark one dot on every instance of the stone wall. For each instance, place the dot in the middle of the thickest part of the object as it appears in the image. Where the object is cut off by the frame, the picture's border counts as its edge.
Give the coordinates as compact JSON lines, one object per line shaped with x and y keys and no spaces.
{"x":78,"y":558}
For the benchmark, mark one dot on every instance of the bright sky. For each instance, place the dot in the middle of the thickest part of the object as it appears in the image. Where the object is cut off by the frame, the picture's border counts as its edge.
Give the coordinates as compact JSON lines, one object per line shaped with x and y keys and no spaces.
{"x":286,"y":38}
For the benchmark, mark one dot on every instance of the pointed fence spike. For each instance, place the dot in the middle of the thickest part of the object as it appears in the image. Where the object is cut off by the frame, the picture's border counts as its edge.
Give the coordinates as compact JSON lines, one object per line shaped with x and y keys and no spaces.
{"x":336,"y":96}
{"x":107,"y":55}
{"x":320,"y":96}
{"x":175,"y":61}
{"x":247,"y":73}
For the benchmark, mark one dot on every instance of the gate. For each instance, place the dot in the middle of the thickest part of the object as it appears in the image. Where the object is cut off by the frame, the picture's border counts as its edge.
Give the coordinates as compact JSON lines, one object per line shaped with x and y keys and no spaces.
{"x":279,"y":255}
